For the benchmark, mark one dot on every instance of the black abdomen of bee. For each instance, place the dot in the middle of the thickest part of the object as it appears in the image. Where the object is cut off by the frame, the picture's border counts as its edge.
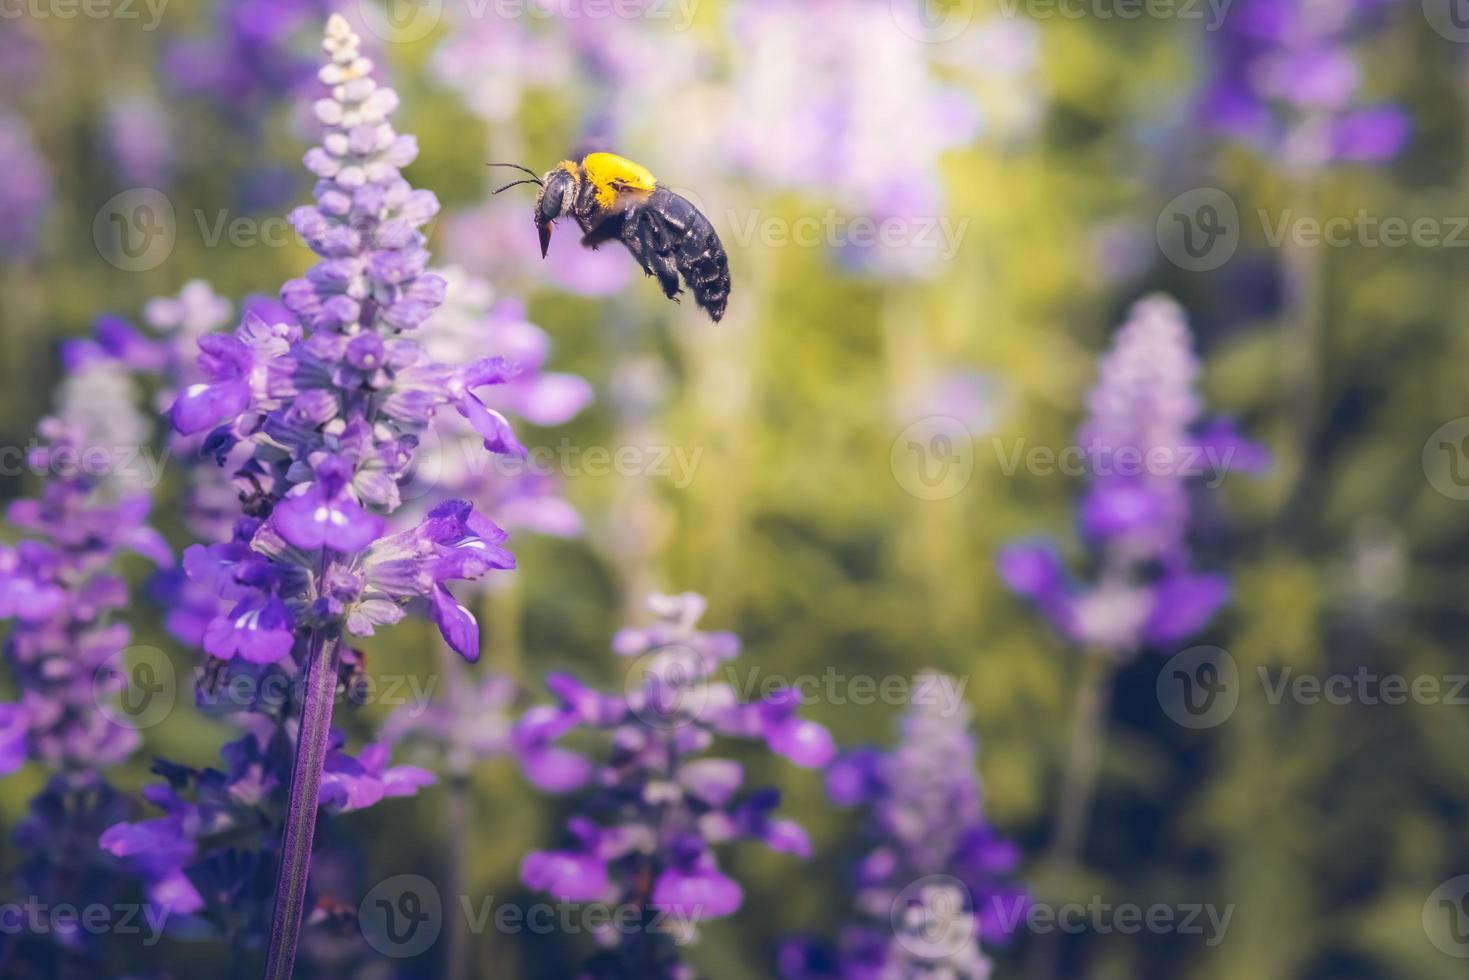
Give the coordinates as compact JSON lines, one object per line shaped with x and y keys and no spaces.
{"x":680,"y":232}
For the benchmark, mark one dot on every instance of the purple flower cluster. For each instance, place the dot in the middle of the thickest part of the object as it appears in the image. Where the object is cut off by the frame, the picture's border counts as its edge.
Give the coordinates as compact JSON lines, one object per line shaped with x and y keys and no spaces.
{"x":1143,"y":442}
{"x":934,"y":885}
{"x":335,"y":409}
{"x":648,"y":827}
{"x":1286,"y":78}
{"x":60,"y":586}
{"x":25,"y":194}
{"x":317,"y":408}
{"x":210,"y":858}
{"x":250,"y":58}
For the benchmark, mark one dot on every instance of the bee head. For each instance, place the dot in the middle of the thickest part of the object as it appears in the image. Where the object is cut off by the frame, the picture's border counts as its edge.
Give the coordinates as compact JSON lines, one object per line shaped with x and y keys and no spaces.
{"x":558,"y":193}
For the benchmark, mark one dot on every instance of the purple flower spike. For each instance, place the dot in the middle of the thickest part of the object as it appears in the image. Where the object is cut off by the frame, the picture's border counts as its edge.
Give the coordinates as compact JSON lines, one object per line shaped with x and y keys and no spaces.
{"x":925,"y":825}
{"x":316,"y":406}
{"x":661,"y":806}
{"x":1145,"y":443}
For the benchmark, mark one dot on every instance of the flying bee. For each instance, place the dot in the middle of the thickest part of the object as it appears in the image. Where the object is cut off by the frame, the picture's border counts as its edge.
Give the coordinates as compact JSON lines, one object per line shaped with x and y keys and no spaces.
{"x":614,"y":199}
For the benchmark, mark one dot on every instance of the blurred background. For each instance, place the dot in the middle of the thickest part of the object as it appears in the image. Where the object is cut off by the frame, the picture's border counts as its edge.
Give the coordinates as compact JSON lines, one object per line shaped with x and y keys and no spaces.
{"x":937,"y":214}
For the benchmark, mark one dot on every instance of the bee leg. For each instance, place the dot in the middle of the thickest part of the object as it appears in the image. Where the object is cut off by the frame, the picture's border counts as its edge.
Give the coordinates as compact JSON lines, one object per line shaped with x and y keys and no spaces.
{"x":600,"y":234}
{"x":659,"y":250}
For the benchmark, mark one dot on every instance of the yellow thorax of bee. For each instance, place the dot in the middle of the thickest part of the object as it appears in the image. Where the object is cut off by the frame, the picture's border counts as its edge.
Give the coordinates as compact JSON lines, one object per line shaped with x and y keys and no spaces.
{"x":610,"y":173}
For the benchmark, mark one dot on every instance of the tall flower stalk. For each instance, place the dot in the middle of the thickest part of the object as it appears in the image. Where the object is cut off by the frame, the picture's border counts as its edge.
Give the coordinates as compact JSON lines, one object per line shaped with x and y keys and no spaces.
{"x":648,"y":827}
{"x":61,"y":587}
{"x":333,"y":406}
{"x":933,"y":888}
{"x":1144,"y":439}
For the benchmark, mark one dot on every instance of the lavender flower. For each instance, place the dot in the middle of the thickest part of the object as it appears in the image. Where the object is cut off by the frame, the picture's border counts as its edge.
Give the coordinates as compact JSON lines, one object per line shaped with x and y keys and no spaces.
{"x":249,"y":59}
{"x":1287,"y":79}
{"x":330,"y":405}
{"x":138,"y":133}
{"x":25,"y":194}
{"x":648,"y":829}
{"x":1143,"y":442}
{"x":935,"y":883}
{"x":61,"y":589}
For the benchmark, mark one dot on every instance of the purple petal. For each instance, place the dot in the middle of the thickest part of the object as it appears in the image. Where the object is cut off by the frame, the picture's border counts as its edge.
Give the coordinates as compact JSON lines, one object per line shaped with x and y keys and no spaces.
{"x":1183,"y":604}
{"x":805,"y":743}
{"x":498,"y":436}
{"x":704,"y":893}
{"x":1226,"y":449}
{"x":311,"y":521}
{"x":1114,"y":508}
{"x":456,"y":623}
{"x":553,"y":399}
{"x":203,"y":406}
{"x":565,"y":875}
{"x":555,"y":770}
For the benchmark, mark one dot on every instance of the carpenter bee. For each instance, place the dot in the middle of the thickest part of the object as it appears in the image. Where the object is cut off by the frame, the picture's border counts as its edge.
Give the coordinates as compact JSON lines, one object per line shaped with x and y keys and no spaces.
{"x":614,"y":199}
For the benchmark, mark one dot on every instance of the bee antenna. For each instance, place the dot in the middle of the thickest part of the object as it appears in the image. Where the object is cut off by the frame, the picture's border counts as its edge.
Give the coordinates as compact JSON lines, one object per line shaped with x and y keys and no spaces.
{"x":534,"y":176}
{"x":515,"y":183}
